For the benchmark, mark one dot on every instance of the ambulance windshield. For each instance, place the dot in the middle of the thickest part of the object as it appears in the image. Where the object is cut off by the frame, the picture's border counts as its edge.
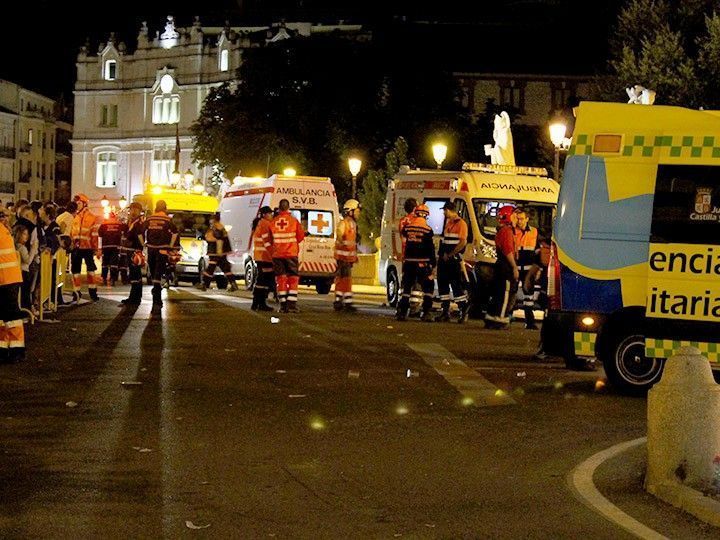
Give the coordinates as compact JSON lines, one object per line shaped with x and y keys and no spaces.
{"x":315,"y":222}
{"x":539,"y":216}
{"x":191,"y":224}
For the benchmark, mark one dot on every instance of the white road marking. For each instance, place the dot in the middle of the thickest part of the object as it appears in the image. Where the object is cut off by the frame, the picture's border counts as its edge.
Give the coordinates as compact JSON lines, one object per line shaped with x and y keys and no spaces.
{"x":467,"y":381}
{"x":580,"y":480}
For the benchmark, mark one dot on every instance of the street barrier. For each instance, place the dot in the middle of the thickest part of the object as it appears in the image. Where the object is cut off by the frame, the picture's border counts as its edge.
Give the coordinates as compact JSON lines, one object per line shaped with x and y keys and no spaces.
{"x":46,"y":275}
{"x":61,"y":257}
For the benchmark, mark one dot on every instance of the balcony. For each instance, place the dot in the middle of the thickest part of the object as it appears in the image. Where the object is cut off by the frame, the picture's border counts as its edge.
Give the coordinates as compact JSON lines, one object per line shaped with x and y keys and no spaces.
{"x":7,"y":152}
{"x":7,"y":187}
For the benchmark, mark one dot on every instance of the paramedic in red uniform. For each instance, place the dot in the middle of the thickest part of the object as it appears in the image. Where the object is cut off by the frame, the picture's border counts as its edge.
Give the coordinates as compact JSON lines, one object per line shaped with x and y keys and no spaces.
{"x":346,"y":255}
{"x":505,"y":280}
{"x":286,"y":233}
{"x":263,"y":260}
{"x":12,"y":332}
{"x":418,"y":263}
{"x":449,"y":270}
{"x":111,"y":233}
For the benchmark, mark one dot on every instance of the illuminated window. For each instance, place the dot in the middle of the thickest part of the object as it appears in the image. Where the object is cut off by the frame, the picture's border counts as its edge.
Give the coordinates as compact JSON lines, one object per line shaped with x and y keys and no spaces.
{"x":224,"y":60}
{"x":110,"y":71}
{"x":163,"y":165}
{"x":166,"y":106}
{"x":106,"y":174}
{"x":30,"y":136}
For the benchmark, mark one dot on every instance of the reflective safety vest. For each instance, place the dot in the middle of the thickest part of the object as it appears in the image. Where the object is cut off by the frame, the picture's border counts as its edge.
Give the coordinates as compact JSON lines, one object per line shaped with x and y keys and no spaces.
{"x":419,"y":247}
{"x":403,"y":222}
{"x":286,"y":233}
{"x":346,"y":241}
{"x":10,"y":271}
{"x":218,"y":242}
{"x":159,"y":230}
{"x":85,"y":230}
{"x":261,"y":241}
{"x":455,"y":231}
{"x":111,"y":233}
{"x":526,"y":243}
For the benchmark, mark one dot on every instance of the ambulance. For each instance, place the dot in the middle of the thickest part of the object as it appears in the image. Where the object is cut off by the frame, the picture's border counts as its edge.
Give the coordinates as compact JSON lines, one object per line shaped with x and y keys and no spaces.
{"x":478,"y":191}
{"x":191,"y":212}
{"x":635,"y":265}
{"x":312,"y":201}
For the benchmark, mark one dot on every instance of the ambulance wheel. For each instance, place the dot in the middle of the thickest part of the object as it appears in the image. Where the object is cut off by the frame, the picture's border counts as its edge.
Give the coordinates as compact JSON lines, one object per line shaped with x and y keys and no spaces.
{"x":250,"y":275}
{"x":323,"y":286}
{"x":392,"y":287}
{"x":625,"y":363}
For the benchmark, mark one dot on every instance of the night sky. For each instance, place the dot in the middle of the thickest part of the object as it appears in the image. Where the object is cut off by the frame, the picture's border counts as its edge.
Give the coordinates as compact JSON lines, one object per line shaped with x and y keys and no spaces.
{"x":510,"y":35}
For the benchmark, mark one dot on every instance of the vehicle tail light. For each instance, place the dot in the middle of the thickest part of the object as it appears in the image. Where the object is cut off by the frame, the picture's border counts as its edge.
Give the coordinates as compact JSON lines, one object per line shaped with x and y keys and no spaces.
{"x":553,"y":291}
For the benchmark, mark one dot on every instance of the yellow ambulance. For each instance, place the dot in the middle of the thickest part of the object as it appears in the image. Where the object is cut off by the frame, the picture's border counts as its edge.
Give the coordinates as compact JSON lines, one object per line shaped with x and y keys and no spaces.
{"x":635,"y":267}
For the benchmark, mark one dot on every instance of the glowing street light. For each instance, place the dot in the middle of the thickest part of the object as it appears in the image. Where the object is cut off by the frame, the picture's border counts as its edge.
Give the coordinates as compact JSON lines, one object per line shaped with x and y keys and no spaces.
{"x":354,"y":164}
{"x":289,"y":171}
{"x":439,"y":151}
{"x":557,"y":136}
{"x":104,"y":201}
{"x":123,"y":202}
{"x":189,"y":177}
{"x":198,"y":187}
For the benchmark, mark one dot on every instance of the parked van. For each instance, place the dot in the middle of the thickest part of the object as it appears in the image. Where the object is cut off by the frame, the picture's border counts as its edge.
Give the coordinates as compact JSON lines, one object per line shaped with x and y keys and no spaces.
{"x":478,"y":191}
{"x":191,"y":212}
{"x":635,"y":269}
{"x":312,"y":201}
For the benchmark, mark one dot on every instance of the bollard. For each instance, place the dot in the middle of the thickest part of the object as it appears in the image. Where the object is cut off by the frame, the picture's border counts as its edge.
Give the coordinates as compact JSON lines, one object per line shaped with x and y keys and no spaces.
{"x":683,"y":423}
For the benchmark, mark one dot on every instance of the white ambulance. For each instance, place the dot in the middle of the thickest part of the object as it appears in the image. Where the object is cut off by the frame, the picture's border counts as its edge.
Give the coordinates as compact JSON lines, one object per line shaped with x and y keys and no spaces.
{"x":312,"y":201}
{"x":478,"y":191}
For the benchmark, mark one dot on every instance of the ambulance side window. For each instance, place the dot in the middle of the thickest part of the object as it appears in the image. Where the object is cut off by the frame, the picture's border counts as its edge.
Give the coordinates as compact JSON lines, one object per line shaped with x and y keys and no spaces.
{"x":463,"y":212}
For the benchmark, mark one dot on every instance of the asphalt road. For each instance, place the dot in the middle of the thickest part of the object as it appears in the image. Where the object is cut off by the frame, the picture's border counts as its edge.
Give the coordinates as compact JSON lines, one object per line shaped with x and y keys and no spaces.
{"x":321,"y":425}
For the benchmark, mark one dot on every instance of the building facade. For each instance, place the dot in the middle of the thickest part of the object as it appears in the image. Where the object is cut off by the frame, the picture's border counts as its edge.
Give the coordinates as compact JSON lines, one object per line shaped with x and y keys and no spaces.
{"x":27,"y":144}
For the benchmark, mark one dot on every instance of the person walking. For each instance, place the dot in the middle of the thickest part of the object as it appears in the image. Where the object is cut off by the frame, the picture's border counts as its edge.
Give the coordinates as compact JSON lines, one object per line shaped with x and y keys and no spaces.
{"x":449,"y":269}
{"x":418,"y":264}
{"x":132,"y":245}
{"x":160,"y":236}
{"x":110,"y":233}
{"x":528,"y":248}
{"x":286,"y":233}
{"x":12,"y":332}
{"x":506,"y":272}
{"x":263,"y":260}
{"x":84,"y":236}
{"x":218,"y":246}
{"x":346,"y":256}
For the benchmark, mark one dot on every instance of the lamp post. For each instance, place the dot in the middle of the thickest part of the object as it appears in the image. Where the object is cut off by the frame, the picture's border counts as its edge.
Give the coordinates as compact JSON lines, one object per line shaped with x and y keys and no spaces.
{"x":123,"y":203}
{"x":289,"y":171}
{"x":104,"y":202}
{"x":354,"y":164}
{"x":439,"y":151}
{"x":557,"y":136}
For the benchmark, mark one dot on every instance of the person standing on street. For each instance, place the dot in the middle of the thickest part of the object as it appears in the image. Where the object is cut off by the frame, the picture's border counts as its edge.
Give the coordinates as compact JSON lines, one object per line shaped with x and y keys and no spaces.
{"x":449,"y":270}
{"x":263,"y":260}
{"x":132,"y":245}
{"x":528,"y":248}
{"x":416,"y":294}
{"x":505,"y":279}
{"x":110,"y":233}
{"x":160,"y":236}
{"x":12,"y":332}
{"x":218,"y":246}
{"x":286,"y":233}
{"x":346,"y":256}
{"x":84,"y":236}
{"x":418,"y":264}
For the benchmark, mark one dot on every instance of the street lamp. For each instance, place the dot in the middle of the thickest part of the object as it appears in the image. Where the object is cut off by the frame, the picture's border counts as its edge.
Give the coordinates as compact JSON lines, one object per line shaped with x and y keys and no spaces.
{"x":439,"y":151}
{"x":557,"y":136}
{"x":188,"y":177}
{"x":354,"y":164}
{"x":104,"y":201}
{"x":289,"y":171}
{"x":198,"y":187}
{"x":123,"y":203}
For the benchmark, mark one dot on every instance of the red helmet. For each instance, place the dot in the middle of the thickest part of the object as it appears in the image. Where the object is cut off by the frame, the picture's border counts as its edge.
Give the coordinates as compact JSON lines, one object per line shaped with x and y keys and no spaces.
{"x":81,"y":197}
{"x":504,"y":214}
{"x":422,"y":210}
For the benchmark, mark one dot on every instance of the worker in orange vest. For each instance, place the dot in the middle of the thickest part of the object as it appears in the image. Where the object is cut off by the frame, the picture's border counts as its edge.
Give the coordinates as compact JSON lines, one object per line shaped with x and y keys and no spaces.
{"x":419,"y":264}
{"x":450,"y":269}
{"x":84,"y":236}
{"x":346,"y":255}
{"x":286,"y":233}
{"x":110,"y":234}
{"x":416,"y":295}
{"x":528,"y":250}
{"x":12,"y":332}
{"x":263,"y":260}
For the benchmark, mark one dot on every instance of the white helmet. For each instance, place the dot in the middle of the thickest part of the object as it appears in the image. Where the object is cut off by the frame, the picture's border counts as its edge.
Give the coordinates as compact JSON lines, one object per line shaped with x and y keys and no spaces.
{"x":350,"y":205}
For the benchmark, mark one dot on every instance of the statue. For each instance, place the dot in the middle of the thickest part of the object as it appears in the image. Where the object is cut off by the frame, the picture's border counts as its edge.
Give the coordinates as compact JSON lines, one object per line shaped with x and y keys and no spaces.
{"x":640,"y":95}
{"x":170,"y":32}
{"x":502,"y":153}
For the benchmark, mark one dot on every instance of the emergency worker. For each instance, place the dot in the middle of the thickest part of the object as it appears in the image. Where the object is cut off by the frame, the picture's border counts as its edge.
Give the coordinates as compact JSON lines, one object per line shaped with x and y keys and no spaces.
{"x":416,"y":294}
{"x":160,"y":236}
{"x":346,"y":255}
{"x":263,"y":260}
{"x":12,"y":332}
{"x":110,"y":233}
{"x":418,"y":264}
{"x":218,"y":246}
{"x":286,"y":233}
{"x":449,"y":269}
{"x":132,"y":246}
{"x":528,"y":249}
{"x":505,"y":279}
{"x":84,"y":237}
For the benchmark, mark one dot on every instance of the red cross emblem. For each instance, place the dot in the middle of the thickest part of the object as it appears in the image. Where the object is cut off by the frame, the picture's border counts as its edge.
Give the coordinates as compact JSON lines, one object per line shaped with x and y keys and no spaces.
{"x":319,"y":223}
{"x":281,"y":224}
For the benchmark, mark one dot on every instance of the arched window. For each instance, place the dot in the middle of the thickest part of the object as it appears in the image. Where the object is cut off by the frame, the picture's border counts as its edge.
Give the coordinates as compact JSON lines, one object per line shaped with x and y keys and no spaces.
{"x":106,"y":172}
{"x":224,"y":60}
{"x":166,"y":105}
{"x":110,"y":71}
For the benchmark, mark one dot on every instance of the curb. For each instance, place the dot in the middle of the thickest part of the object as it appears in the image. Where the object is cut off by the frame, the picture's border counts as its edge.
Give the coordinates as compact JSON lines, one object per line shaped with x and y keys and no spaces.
{"x":686,"y":498}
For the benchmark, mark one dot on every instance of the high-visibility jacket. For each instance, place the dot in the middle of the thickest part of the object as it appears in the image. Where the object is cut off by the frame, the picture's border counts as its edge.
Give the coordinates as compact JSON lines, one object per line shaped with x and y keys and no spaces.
{"x":526,"y":243}
{"x":403,"y":222}
{"x":135,"y":230}
{"x":455,"y":232}
{"x":159,"y":231}
{"x":218,"y":241}
{"x":9,"y":261}
{"x":261,"y":241}
{"x":346,"y":240}
{"x":111,"y":233}
{"x":286,"y":233}
{"x":419,"y":247}
{"x":85,"y":230}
